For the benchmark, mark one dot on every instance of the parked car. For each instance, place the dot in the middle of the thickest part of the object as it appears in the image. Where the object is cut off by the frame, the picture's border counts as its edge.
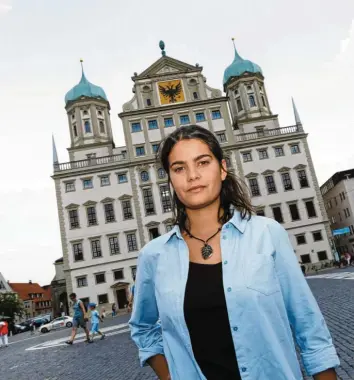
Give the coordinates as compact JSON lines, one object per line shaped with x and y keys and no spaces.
{"x":57,"y":323}
{"x":26,"y":325}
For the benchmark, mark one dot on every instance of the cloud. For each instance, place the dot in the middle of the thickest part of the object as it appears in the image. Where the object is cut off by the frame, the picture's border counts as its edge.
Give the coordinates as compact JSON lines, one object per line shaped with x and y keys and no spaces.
{"x":345,"y":44}
{"x":4,"y":8}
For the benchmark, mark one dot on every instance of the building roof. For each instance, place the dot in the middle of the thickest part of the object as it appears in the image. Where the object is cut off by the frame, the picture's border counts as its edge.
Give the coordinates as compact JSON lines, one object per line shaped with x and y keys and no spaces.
{"x":25,"y":289}
{"x":85,"y":89}
{"x":240,"y":66}
{"x":335,"y":179}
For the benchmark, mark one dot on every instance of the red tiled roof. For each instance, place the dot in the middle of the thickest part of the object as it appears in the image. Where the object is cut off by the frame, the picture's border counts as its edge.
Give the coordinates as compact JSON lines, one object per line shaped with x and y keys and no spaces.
{"x":25,"y":288}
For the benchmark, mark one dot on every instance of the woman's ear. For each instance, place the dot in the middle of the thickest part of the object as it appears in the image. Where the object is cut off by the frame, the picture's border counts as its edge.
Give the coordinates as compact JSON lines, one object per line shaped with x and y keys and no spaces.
{"x":223,"y":169}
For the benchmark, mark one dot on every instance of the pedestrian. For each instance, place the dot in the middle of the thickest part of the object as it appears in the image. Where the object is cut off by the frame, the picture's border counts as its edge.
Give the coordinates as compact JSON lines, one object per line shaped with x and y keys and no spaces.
{"x":95,"y":322}
{"x":79,"y":319}
{"x":114,"y":310}
{"x":4,"y":332}
{"x":103,"y":312}
{"x":347,"y":257}
{"x":131,"y":298}
{"x":222,"y":293}
{"x":32,"y":327}
{"x":303,"y":268}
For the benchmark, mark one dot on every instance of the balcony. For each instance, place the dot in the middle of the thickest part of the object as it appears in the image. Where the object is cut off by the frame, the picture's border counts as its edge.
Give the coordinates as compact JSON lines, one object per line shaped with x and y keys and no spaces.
{"x":268,"y":133}
{"x":89,"y":162}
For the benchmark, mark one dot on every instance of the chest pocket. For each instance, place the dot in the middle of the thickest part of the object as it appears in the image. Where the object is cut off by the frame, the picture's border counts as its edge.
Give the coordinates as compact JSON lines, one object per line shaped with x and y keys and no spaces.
{"x":260,"y":275}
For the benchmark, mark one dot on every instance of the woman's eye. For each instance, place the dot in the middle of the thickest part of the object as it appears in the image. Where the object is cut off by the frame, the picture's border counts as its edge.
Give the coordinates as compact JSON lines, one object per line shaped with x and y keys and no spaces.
{"x":202,"y":163}
{"x":178,"y":170}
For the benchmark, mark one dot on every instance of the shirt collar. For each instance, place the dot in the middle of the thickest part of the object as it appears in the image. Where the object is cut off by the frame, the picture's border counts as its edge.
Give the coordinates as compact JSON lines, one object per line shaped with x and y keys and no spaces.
{"x":237,"y":221}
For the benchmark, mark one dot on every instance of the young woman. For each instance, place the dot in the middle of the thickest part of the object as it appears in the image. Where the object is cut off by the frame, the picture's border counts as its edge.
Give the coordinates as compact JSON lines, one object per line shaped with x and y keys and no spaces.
{"x":219,"y":296}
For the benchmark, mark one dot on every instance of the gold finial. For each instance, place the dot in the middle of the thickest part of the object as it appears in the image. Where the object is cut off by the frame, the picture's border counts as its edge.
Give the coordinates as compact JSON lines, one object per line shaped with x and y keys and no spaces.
{"x":82,"y":65}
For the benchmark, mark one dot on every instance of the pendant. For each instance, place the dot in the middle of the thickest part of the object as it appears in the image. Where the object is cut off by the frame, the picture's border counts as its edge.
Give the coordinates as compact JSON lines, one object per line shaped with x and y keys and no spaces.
{"x":207,"y":252}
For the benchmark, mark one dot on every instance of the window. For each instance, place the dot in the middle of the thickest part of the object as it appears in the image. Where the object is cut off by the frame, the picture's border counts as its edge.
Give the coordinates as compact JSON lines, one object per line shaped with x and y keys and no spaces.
{"x":100,"y":278}
{"x":340,"y":196}
{"x":105,"y":180}
{"x":169,"y":227}
{"x":87,"y":183}
{"x":122,"y":178}
{"x":69,"y":186}
{"x":133,"y":269}
{"x":148,"y":201}
{"x":200,"y":116}
{"x":161,"y":173}
{"x":300,"y":239}
{"x":184,"y":119}
{"x":144,"y":175}
{"x":322,"y":255}
{"x":102,"y":128}
{"x":102,"y":298}
{"x":77,"y":251}
{"x":305,"y":259}
{"x":127,"y":209}
{"x":249,"y":88}
{"x":109,"y":212}
{"x":165,"y":198}
{"x":215,"y":114}
{"x":91,"y":216}
{"x":269,"y":179}
{"x":263,"y":154}
{"x":195,"y":95}
{"x":85,"y":113}
{"x":155,"y":148}
{"x":278,"y":216}
{"x":310,"y":207}
{"x":131,"y":241}
{"x":254,"y":187}
{"x":73,"y":116}
{"x":140,"y":151}
{"x":347,"y":212}
{"x":228,"y":162}
{"x":99,"y":113}
{"x":87,"y":126}
{"x":75,"y":130}
{"x":247,"y":156}
{"x":81,"y":281}
{"x":154,"y":233}
{"x":118,"y":274}
{"x":286,"y":181}
{"x":96,"y":248}
{"x":343,"y":195}
{"x":333,"y":219}
{"x":168,"y":122}
{"x":136,"y":127}
{"x":74,"y":219}
{"x":152,"y":124}
{"x":239,"y":105}
{"x":252,"y":101}
{"x":148,"y":102}
{"x":317,"y":236}
{"x":114,"y":245}
{"x":295,"y":149}
{"x":294,"y":212}
{"x":279,"y":151}
{"x":263,"y":101}
{"x":91,"y":156}
{"x":221,"y":137}
{"x":302,"y":179}
{"x":260,"y":212}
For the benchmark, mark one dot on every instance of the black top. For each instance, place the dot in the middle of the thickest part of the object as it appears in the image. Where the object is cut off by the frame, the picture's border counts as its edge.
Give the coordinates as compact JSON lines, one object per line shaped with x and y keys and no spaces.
{"x":208,"y":322}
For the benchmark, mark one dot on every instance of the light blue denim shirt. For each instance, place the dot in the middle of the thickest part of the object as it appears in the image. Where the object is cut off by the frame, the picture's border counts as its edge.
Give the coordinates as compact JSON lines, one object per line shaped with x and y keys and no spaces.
{"x":267,"y":299}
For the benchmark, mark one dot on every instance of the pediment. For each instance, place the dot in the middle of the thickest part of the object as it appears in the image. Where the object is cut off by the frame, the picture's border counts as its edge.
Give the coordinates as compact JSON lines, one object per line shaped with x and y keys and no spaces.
{"x":152,"y":224}
{"x":125,"y":196}
{"x":107,"y":200}
{"x":168,"y":221}
{"x":284,"y":169}
{"x":90,"y":203}
{"x":164,"y":66}
{"x":268,"y":172}
{"x":300,"y":166}
{"x":72,"y":205}
{"x":251,"y":175}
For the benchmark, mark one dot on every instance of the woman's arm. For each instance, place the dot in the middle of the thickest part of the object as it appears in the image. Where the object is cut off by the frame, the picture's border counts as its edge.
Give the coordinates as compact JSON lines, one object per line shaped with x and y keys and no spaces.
{"x":145,"y":329}
{"x":310,"y":330}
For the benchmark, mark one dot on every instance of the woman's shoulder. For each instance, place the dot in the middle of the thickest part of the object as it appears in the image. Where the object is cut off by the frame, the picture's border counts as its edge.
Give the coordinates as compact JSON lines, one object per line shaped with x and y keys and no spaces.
{"x":266,"y":225}
{"x":157,"y":245}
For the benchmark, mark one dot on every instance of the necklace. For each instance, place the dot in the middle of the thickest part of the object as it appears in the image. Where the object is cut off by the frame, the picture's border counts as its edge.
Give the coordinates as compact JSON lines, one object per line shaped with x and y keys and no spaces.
{"x":207,"y":250}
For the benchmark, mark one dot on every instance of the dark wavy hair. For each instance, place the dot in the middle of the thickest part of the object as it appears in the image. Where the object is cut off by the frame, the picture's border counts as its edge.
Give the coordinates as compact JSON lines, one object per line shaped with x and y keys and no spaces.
{"x":234,"y":194}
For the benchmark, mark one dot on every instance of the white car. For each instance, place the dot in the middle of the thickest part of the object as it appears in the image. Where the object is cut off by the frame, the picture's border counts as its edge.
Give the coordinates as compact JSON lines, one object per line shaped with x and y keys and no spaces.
{"x":57,"y":323}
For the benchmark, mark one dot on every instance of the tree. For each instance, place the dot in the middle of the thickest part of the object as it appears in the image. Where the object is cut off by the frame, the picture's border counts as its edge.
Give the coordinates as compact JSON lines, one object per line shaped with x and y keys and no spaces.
{"x":10,"y":305}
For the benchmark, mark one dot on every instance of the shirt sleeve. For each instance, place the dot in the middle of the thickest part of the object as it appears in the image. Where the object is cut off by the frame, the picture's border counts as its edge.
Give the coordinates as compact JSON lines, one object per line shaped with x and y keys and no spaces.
{"x":145,"y":329}
{"x":309,"y":327}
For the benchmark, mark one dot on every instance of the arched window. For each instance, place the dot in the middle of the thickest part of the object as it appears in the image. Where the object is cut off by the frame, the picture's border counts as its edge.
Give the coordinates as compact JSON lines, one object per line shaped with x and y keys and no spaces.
{"x":102,"y":129}
{"x":161,"y":173}
{"x":87,"y":126}
{"x":144,"y":176}
{"x":75,"y":130}
{"x":252,"y":101}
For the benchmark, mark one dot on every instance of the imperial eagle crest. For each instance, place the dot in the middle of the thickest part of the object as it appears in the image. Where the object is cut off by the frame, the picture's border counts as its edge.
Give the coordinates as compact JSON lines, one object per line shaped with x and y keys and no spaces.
{"x":171,"y":91}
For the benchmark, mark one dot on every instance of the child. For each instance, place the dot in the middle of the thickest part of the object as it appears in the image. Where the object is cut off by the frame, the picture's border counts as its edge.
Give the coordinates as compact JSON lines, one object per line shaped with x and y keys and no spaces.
{"x":95,"y":320}
{"x":4,"y":330}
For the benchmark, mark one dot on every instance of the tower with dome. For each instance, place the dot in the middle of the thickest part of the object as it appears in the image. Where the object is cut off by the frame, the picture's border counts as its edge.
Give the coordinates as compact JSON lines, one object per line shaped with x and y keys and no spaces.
{"x":113,"y":200}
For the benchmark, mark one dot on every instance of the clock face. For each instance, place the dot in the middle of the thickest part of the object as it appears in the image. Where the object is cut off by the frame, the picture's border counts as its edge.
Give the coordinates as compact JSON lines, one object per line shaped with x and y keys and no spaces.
{"x":171,"y":91}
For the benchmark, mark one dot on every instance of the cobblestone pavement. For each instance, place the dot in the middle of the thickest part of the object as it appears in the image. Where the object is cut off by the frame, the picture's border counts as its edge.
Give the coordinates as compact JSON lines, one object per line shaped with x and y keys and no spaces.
{"x":45,"y":357}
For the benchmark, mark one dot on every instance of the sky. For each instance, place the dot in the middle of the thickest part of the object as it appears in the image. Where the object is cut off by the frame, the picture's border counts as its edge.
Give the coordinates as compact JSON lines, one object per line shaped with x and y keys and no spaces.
{"x":305,"y":49}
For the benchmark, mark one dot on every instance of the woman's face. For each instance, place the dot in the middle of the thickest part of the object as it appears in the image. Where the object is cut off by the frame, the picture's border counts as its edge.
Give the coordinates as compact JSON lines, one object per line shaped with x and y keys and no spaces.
{"x":195,"y":173}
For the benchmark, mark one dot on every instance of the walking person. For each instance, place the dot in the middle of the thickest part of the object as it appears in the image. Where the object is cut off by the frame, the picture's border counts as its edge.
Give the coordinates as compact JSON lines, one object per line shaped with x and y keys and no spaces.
{"x":114,"y":310}
{"x":103,"y":312}
{"x":95,"y":322}
{"x":4,"y":332}
{"x":79,"y":319}
{"x":131,"y":299}
{"x":221,"y":294}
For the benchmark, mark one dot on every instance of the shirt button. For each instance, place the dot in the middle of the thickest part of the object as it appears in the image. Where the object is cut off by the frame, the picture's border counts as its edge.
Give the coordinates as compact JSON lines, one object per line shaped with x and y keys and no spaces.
{"x":229,"y":290}
{"x":225,"y":262}
{"x":224,"y":237}
{"x":243,"y":369}
{"x":228,"y":226}
{"x":235,"y":328}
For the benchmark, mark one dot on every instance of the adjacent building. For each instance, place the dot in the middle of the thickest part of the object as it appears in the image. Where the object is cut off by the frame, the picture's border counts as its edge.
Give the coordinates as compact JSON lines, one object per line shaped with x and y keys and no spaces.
{"x":338,"y":196}
{"x":4,"y":286}
{"x":58,"y":290}
{"x":113,"y":200}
